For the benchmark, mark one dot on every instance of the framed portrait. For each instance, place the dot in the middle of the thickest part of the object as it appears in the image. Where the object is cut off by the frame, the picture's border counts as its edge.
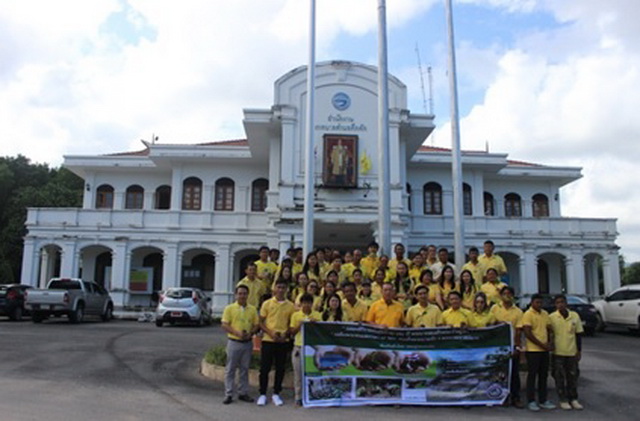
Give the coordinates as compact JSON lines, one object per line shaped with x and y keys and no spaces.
{"x":340,"y":161}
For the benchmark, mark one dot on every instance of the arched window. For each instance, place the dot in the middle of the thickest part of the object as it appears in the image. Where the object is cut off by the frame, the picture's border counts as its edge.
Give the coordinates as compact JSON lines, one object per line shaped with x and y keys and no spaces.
{"x":432,"y":199}
{"x":104,"y":197}
{"x":512,"y":205}
{"x":134,"y":198}
{"x":408,"y":197}
{"x":259,"y":189}
{"x":163,"y":197}
{"x":540,"y":206}
{"x":224,"y":194}
{"x":192,"y":194}
{"x":467,"y":201}
{"x":489,"y":208}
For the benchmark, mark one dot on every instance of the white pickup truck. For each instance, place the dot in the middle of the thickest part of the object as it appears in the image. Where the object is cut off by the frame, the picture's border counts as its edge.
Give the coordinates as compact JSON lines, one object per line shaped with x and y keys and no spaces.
{"x":69,"y":297}
{"x":620,"y":308}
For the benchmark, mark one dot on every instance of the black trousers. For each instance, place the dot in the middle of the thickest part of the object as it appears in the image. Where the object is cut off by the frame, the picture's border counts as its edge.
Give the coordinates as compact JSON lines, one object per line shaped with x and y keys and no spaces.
{"x":270,"y":354}
{"x":515,"y":378}
{"x":538,"y":369}
{"x":565,"y":372}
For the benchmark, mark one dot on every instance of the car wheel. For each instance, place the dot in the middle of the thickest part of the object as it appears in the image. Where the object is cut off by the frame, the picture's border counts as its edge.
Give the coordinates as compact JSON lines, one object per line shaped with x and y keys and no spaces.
{"x":36,"y":317}
{"x":78,"y":315}
{"x":108,"y":314}
{"x":17,"y":314}
{"x":158,"y":323}
{"x":600,"y":324}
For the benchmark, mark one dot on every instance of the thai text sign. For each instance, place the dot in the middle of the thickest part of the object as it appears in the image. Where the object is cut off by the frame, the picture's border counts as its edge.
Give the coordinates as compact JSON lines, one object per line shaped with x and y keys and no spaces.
{"x":347,"y":364}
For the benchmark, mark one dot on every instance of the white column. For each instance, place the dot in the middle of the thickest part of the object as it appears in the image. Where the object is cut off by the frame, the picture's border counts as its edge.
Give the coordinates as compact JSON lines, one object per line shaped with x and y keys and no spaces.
{"x":88,"y":198}
{"x":69,"y":266}
{"x":243,"y":203}
{"x":575,"y":272}
{"x":611,"y":268}
{"x":172,"y":263}
{"x":527,"y":210}
{"x":176,"y":188}
{"x":29,"y":263}
{"x":45,"y":258}
{"x":529,"y":281}
{"x":224,"y":284}
{"x":478,"y":194}
{"x":120,"y":274}
{"x":118,"y":199}
{"x":148,"y":202}
{"x":207,"y":196}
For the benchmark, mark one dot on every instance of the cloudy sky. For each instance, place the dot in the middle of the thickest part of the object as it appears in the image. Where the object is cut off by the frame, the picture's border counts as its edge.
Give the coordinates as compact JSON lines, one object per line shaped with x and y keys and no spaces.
{"x":548,"y":81}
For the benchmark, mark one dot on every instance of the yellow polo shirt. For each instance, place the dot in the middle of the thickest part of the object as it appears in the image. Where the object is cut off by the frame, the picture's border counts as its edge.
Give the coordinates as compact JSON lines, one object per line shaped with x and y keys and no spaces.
{"x":468,"y":298}
{"x":317,"y":301}
{"x":369,"y":263}
{"x":477,"y":271}
{"x":367,"y":300}
{"x":483,"y":319}
{"x":391,"y":315}
{"x":455,"y":318}
{"x":256,"y":290}
{"x":266,"y":271}
{"x":493,"y":262}
{"x":418,"y":316}
{"x":539,"y":323}
{"x":493,"y":291}
{"x":348,"y":269}
{"x":512,"y":315}
{"x":415,"y":272}
{"x":393,"y":263}
{"x":277,"y":316}
{"x":376,"y":291}
{"x":240,"y":318}
{"x":389,"y":276}
{"x":354,"y":313}
{"x":296,"y":320}
{"x":564,"y":333}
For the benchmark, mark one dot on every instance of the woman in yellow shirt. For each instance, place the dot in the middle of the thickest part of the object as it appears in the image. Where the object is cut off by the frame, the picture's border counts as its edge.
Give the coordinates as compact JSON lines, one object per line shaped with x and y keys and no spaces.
{"x":314,"y":290}
{"x":447,"y":282}
{"x":468,"y":289}
{"x":365,"y":293}
{"x":302,"y":280}
{"x":333,"y":311}
{"x":311,"y":267}
{"x":403,"y":284}
{"x":481,"y":316}
{"x":329,"y":289}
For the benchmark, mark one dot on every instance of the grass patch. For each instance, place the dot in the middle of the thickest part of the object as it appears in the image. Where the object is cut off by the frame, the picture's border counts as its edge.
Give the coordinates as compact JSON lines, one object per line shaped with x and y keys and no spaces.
{"x":217,"y":355}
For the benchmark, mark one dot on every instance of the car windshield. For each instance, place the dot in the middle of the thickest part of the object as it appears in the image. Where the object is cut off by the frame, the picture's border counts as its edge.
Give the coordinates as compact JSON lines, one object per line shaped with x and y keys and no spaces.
{"x":64,"y":285}
{"x":179,"y":293}
{"x":573,"y":300}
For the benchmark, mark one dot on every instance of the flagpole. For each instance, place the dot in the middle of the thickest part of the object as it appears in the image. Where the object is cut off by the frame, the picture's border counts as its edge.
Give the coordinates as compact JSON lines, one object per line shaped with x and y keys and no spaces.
{"x":384,"y":194}
{"x":309,"y":171}
{"x":456,"y":154}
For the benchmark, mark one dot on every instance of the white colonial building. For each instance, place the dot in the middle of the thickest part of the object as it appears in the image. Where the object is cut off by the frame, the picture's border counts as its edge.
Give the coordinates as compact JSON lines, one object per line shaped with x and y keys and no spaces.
{"x":193,"y":215}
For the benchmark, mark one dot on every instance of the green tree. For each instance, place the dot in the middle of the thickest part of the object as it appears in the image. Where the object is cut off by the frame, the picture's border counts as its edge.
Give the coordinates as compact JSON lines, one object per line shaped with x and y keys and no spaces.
{"x":631,"y":274}
{"x":24,"y":185}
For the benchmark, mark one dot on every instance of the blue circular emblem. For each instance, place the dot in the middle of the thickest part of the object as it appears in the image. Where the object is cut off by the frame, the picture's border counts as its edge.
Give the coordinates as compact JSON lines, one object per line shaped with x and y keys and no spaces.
{"x":341,"y":101}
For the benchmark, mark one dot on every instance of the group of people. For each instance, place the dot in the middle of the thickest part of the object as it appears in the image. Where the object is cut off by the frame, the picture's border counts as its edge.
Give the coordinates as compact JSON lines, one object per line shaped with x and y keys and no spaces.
{"x":424,"y":291}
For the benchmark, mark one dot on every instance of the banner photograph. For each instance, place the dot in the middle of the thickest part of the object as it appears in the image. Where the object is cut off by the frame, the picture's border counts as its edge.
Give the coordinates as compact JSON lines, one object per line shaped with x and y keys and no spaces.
{"x":347,"y":364}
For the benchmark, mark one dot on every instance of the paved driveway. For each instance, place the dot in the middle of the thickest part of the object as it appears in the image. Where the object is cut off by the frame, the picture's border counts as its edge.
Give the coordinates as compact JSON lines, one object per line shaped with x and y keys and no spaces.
{"x":134,"y":371}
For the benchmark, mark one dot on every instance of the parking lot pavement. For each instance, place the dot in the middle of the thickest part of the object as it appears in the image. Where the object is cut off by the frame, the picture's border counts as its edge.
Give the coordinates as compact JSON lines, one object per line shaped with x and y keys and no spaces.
{"x":126,"y":370}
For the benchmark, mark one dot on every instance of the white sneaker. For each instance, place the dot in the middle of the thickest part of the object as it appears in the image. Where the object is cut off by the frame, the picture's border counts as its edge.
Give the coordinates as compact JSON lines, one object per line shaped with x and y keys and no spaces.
{"x":276,"y":400}
{"x":262,"y":400}
{"x":576,"y":405}
{"x":565,"y":405}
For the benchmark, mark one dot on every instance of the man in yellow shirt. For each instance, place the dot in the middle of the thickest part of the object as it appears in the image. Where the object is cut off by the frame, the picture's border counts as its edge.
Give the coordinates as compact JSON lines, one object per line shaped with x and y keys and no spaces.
{"x":423,"y":314}
{"x":492,"y":286}
{"x":416,"y":268}
{"x":356,"y":263}
{"x":490,"y":260}
{"x":455,"y":315}
{"x":255,"y":285}
{"x":370,"y":262}
{"x":475,"y":267}
{"x":305,"y":314}
{"x":386,"y":311}
{"x":567,"y":330}
{"x":266,"y":269}
{"x":240,"y":321}
{"x":399,"y":250}
{"x":275,"y":317}
{"x":537,"y":329}
{"x":507,"y":312}
{"x":353,"y":309}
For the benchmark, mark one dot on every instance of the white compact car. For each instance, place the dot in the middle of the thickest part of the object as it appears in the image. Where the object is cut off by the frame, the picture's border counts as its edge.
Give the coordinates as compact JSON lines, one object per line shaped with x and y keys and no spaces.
{"x":621,"y":307}
{"x":183,"y":305}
